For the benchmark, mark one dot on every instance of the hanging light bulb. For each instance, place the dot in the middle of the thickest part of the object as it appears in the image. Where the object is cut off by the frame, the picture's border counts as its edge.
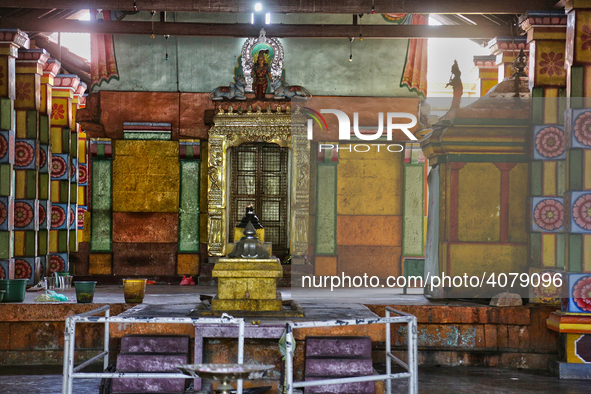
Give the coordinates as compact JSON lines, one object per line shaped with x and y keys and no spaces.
{"x":351,"y":49}
{"x":134,"y":6}
{"x":351,"y":57}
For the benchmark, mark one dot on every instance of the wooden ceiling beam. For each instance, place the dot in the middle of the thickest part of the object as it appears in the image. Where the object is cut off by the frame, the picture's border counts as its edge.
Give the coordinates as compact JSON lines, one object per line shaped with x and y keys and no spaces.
{"x":249,"y":30}
{"x":302,"y":6}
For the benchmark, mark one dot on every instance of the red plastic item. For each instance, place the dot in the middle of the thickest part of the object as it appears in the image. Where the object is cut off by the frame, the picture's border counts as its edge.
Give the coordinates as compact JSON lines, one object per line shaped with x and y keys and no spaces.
{"x":151,"y":282}
{"x":187,"y":281}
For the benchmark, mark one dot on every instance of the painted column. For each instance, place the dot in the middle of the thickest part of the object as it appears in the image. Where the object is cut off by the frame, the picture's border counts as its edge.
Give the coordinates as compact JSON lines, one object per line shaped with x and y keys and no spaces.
{"x":189,"y":210}
{"x":73,"y":223}
{"x":62,"y":123}
{"x":101,"y":207}
{"x":488,"y":73}
{"x":546,"y":34}
{"x":50,"y":70}
{"x":29,"y":68}
{"x":575,"y":362}
{"x":82,"y":178}
{"x":326,"y":212}
{"x":506,"y":50}
{"x":10,"y":41}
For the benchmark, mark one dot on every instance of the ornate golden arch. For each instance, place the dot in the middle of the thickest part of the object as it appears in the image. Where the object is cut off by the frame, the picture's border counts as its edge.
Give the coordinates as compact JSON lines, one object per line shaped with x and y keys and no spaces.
{"x":232,"y":128}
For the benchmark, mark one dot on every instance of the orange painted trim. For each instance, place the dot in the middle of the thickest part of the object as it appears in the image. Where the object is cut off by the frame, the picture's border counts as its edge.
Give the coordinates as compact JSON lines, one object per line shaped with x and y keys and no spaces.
{"x":454,"y":194}
{"x":505,"y":177}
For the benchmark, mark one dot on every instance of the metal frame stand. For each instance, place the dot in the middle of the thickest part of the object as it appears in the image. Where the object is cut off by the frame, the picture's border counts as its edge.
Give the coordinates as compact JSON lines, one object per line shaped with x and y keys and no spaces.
{"x":70,"y":372}
{"x":411,"y":367}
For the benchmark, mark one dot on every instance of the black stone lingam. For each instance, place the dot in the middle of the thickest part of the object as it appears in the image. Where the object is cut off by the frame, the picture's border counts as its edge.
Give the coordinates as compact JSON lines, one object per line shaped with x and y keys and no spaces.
{"x":249,"y":246}
{"x":251,"y":217}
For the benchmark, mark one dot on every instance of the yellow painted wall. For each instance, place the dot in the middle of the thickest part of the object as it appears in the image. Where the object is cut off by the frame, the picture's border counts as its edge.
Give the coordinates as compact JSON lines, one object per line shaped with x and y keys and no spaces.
{"x":146,"y":176}
{"x":479,"y":202}
{"x":369,"y":183}
{"x":518,"y":183}
{"x":474,"y":259}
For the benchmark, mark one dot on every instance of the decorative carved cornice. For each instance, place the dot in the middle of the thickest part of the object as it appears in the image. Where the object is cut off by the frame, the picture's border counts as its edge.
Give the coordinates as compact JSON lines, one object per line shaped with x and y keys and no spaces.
{"x":39,"y":55}
{"x":14,"y":36}
{"x":52,"y":67}
{"x":66,"y":81}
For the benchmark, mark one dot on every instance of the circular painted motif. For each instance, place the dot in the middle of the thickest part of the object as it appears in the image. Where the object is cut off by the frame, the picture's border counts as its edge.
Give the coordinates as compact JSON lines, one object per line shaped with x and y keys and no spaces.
{"x":3,"y":213}
{"x":72,"y":217}
{"x":41,"y":214}
{"x":81,"y":212}
{"x":550,"y":142}
{"x":582,"y":293}
{"x":58,"y":167}
{"x":23,"y":154}
{"x":56,"y":264}
{"x":3,"y":146}
{"x":82,"y":174}
{"x":42,"y":157}
{"x":58,"y":216}
{"x":548,"y":214}
{"x":582,"y":211}
{"x":583,"y":128}
{"x":23,"y":214}
{"x":22,"y":269}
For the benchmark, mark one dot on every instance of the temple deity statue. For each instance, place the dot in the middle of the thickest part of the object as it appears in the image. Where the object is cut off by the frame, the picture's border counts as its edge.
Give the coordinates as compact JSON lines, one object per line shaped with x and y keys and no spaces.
{"x":260,"y":72}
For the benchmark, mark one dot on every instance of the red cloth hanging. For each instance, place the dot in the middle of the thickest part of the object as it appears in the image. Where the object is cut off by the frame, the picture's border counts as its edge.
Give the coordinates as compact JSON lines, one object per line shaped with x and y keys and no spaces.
{"x":103,"y":65}
{"x":414,"y":76}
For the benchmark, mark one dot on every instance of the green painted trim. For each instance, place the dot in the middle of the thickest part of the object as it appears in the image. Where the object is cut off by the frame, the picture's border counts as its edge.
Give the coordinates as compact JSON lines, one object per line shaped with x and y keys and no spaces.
{"x":31,"y":184}
{"x":32,"y":124}
{"x":537,"y":107}
{"x":44,"y":129}
{"x":62,"y":241}
{"x":536,"y":170}
{"x":491,"y":121}
{"x":561,"y":105}
{"x":73,"y":193}
{"x":183,"y":214}
{"x":5,"y":244}
{"x":73,"y":237}
{"x":318,"y":209}
{"x":561,"y":177}
{"x":66,"y":140}
{"x":575,"y":253}
{"x":7,"y":179}
{"x":560,"y":244}
{"x":577,"y":84}
{"x":64,"y":192}
{"x":42,"y":242}
{"x":483,"y":158}
{"x":6,"y":114}
{"x":74,"y":145}
{"x":107,"y":212}
{"x":575,"y":169}
{"x":422,"y":221}
{"x":146,"y":136}
{"x":535,"y":249}
{"x":44,"y":186}
{"x":30,"y":243}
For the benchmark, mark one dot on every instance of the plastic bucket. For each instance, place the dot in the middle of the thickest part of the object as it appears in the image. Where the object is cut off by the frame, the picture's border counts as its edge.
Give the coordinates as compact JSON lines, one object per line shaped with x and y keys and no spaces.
{"x":134,"y":290}
{"x":15,"y":289}
{"x":84,"y":291}
{"x":2,"y":294}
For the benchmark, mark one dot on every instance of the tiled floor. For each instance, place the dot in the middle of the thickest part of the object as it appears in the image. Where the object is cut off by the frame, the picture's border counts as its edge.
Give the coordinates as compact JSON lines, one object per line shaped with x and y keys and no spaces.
{"x":434,"y":380}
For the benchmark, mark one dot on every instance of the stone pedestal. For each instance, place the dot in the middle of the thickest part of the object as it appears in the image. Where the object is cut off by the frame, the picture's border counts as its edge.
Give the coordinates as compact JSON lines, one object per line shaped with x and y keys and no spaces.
{"x":574,"y":346}
{"x":247,"y":284}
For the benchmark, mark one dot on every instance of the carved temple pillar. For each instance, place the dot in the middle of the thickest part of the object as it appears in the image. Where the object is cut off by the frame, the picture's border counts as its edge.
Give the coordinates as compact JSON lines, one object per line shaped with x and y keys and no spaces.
{"x":75,"y":160}
{"x":10,"y":41}
{"x":29,"y":68}
{"x":62,"y":216}
{"x":506,"y":50}
{"x":546,"y":35}
{"x":488,"y":73}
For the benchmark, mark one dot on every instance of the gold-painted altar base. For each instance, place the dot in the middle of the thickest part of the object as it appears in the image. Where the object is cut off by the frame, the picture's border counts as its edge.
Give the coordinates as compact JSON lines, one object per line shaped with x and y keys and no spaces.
{"x":247,"y":284}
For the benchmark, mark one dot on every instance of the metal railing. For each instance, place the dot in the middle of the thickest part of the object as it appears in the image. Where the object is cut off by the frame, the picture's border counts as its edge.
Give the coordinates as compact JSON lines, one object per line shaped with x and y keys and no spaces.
{"x":70,"y":372}
{"x":411,"y":367}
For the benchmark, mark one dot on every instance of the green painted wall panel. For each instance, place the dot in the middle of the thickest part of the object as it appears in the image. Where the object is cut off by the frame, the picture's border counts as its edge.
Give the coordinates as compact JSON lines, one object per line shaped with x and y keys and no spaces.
{"x":535,"y":249}
{"x":6,"y":179}
{"x":326,"y":210}
{"x":560,"y":243}
{"x":317,"y":64}
{"x":575,"y":253}
{"x":575,"y":169}
{"x":189,"y":211}
{"x":44,"y":186}
{"x":5,"y":245}
{"x":6,"y":113}
{"x":32,"y":124}
{"x":413,"y":217}
{"x":101,"y":203}
{"x":43,"y":242}
{"x":561,"y":177}
{"x":44,"y":129}
{"x":536,"y":178}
